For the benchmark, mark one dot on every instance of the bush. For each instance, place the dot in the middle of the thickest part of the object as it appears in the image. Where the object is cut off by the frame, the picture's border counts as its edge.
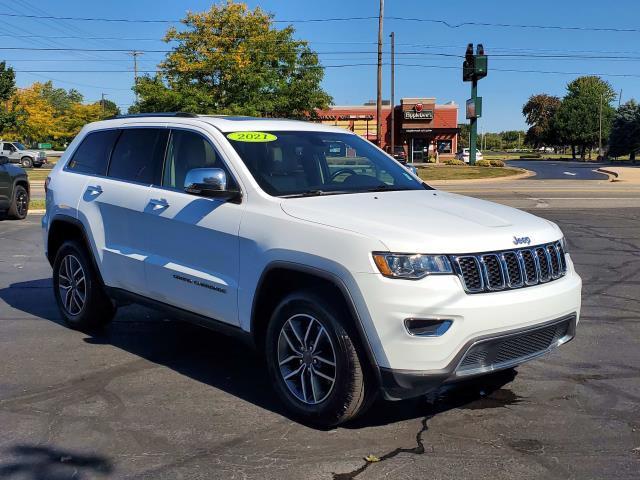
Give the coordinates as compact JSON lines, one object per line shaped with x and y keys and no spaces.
{"x":483,"y":163}
{"x":497,"y":163}
{"x":431,"y":159}
{"x":454,"y":161}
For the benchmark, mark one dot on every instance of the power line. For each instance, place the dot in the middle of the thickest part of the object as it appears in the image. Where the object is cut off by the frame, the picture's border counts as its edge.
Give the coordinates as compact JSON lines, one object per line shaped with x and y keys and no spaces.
{"x":348,"y":19}
{"x":349,"y":65}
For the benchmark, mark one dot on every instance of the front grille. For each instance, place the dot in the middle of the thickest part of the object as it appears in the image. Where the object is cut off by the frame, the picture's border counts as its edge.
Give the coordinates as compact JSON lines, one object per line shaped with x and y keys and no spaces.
{"x":469,"y":268}
{"x":494,"y":271}
{"x":510,"y":350}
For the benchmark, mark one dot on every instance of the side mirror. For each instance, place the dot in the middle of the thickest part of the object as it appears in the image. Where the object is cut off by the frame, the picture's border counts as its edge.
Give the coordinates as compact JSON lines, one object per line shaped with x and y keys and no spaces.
{"x":4,"y":160}
{"x":209,"y":182}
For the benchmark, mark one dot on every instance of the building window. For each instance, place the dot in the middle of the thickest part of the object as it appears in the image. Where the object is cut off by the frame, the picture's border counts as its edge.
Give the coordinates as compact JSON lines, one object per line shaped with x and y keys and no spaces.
{"x":444,"y":146}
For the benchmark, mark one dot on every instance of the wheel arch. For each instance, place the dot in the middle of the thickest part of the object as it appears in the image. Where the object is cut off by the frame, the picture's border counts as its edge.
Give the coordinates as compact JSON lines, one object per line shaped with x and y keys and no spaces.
{"x":64,"y":227}
{"x":280,"y":278}
{"x":22,"y":182}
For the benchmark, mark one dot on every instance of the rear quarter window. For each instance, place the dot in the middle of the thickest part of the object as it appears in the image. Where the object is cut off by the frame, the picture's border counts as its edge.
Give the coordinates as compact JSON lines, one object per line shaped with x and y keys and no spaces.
{"x":92,"y":156}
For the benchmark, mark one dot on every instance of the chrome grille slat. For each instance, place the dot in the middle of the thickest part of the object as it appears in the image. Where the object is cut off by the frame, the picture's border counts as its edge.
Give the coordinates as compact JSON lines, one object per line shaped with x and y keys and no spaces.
{"x":510,"y":269}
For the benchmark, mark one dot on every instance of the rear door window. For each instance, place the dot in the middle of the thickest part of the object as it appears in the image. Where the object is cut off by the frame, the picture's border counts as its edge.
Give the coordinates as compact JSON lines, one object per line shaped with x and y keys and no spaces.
{"x":138,"y":155}
{"x":93,"y":153}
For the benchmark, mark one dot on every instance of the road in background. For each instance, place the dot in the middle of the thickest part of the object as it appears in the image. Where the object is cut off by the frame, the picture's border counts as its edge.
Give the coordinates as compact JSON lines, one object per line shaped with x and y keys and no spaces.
{"x":560,"y":170}
{"x":550,"y":194}
{"x":154,"y":398}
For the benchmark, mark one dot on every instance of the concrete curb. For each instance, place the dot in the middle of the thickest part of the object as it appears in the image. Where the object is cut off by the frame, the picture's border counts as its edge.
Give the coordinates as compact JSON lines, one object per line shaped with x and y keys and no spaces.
{"x":613,"y":176}
{"x":525,"y":174}
{"x":38,"y":211}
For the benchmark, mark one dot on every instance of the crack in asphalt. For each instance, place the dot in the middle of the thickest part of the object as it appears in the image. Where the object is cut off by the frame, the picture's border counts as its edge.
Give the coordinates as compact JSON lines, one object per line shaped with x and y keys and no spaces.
{"x":417,"y":450}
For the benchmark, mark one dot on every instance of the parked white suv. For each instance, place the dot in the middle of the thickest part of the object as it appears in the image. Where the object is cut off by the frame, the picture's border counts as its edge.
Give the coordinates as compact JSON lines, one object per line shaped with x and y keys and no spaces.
{"x":346,"y":271}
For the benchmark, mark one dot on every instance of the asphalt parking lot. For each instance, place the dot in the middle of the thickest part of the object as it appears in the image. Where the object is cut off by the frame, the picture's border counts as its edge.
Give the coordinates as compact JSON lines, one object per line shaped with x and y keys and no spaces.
{"x":156,"y":398}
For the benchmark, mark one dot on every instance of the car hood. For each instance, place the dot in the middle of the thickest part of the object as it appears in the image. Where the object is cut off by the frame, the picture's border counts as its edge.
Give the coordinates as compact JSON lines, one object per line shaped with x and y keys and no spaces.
{"x":425,"y":221}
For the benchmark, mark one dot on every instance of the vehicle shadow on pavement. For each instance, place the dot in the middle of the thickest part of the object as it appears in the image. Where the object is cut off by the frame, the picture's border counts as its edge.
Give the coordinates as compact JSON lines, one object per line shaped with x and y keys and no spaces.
{"x":40,"y":462}
{"x":229,"y":365}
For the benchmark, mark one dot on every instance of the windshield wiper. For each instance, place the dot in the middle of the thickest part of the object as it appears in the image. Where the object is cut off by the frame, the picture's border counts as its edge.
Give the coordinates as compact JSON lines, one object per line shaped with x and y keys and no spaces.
{"x":386,"y":188}
{"x":316,"y":193}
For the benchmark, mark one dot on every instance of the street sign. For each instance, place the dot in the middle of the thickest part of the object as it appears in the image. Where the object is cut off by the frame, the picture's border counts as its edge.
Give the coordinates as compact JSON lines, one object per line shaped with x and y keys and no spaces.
{"x":474,"y":107}
{"x":44,"y":145}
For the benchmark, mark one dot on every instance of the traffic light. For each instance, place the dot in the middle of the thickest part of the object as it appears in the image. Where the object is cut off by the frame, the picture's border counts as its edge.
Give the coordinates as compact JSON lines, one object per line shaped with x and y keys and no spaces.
{"x":480,"y":66}
{"x":475,"y":66}
{"x":468,"y":66}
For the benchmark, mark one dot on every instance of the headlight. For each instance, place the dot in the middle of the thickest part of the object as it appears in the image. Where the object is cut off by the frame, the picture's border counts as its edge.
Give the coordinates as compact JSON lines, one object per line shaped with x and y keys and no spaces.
{"x":411,"y":266}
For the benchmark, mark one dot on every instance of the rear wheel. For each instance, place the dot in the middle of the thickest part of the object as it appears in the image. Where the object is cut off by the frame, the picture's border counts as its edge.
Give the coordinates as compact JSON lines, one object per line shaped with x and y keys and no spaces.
{"x":313,"y":360}
{"x":81,"y":300}
{"x":20,"y":204}
{"x":26,"y":162}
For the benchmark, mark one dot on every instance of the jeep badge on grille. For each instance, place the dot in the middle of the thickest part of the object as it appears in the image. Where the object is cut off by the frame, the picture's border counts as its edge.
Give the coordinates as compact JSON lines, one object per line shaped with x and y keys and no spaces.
{"x":521,"y":241}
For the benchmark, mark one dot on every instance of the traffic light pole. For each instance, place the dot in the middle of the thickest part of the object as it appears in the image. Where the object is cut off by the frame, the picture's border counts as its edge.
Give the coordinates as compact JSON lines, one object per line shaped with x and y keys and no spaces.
{"x":473,"y":137}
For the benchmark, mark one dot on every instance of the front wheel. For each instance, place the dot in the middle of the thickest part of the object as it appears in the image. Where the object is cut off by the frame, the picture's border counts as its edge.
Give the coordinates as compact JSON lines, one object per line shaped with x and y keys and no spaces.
{"x":26,"y":162}
{"x":313,"y":360}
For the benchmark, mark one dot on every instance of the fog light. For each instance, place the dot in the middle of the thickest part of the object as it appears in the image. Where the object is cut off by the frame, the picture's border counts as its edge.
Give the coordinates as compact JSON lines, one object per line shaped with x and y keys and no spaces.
{"x":421,"y":327}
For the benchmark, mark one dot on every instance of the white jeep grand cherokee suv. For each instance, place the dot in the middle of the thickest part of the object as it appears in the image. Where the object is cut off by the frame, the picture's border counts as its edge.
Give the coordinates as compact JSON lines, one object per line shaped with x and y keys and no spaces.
{"x":345,"y":270}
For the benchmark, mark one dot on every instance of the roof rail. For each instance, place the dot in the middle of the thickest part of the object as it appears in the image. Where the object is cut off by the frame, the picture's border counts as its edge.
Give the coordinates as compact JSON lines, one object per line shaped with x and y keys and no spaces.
{"x":157,"y":114}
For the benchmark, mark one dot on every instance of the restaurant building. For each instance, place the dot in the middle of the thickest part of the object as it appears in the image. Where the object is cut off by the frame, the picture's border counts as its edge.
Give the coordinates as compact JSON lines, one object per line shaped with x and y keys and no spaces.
{"x":421,"y":125}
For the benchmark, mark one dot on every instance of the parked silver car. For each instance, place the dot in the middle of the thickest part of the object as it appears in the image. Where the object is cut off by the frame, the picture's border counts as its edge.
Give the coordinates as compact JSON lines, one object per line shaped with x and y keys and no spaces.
{"x":16,"y":152}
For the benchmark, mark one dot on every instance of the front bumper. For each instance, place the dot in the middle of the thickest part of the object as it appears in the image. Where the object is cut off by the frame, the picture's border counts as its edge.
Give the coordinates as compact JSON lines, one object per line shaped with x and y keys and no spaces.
{"x":405,"y":359}
{"x":480,"y":356}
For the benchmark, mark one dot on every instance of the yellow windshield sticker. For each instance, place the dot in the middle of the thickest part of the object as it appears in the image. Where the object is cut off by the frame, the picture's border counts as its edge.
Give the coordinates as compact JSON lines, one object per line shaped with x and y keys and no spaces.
{"x":252,"y":137}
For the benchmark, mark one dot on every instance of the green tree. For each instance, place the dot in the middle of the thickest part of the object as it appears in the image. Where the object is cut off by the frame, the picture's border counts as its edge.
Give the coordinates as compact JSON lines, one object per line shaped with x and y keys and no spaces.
{"x":60,"y":99}
{"x":108,"y":108}
{"x":232,"y":60}
{"x":625,"y":131}
{"x":463,"y":136}
{"x":577,"y":119}
{"x":8,"y":118}
{"x":539,"y":112}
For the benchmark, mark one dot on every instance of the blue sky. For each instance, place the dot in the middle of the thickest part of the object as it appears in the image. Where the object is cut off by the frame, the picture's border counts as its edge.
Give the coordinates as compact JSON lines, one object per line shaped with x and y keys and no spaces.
{"x":504,"y":92}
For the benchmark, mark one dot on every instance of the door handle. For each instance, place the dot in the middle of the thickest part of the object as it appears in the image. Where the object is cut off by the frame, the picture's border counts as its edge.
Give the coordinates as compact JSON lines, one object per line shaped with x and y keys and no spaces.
{"x":94,"y":190}
{"x":158,"y":204}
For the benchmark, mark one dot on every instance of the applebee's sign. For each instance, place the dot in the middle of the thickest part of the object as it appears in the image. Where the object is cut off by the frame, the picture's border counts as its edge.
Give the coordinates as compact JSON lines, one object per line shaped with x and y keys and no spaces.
{"x":418,"y":113}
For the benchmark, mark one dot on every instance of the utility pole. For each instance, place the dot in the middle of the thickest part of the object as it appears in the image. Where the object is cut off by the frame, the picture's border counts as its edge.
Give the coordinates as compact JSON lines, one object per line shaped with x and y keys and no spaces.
{"x":620,"y":99}
{"x":393,"y":81}
{"x":135,"y":54}
{"x":102,"y":102}
{"x":600,"y":127}
{"x":379,"y":97}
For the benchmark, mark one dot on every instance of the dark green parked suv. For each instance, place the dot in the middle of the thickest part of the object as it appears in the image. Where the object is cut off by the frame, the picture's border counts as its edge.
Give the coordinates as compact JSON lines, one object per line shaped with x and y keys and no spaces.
{"x":14,"y":190}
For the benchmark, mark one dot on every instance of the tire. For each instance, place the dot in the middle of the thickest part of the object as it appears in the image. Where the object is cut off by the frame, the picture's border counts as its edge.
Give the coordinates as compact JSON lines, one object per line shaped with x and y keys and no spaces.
{"x":26,"y":162}
{"x":20,"y":203}
{"x":298,"y":320}
{"x":69,"y":289}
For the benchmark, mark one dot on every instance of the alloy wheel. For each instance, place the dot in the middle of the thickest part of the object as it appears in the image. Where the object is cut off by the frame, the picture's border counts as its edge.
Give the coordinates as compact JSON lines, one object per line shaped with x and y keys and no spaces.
{"x":306,"y":359}
{"x":72,"y":285}
{"x":22,"y":203}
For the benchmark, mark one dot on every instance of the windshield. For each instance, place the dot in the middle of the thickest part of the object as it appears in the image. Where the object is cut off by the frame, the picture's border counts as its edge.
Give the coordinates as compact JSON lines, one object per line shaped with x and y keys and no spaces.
{"x":288,"y":164}
{"x":19,"y":146}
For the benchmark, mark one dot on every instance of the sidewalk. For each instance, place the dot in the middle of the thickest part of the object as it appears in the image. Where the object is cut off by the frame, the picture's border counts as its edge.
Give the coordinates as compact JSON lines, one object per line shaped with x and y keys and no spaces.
{"x":622,"y":174}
